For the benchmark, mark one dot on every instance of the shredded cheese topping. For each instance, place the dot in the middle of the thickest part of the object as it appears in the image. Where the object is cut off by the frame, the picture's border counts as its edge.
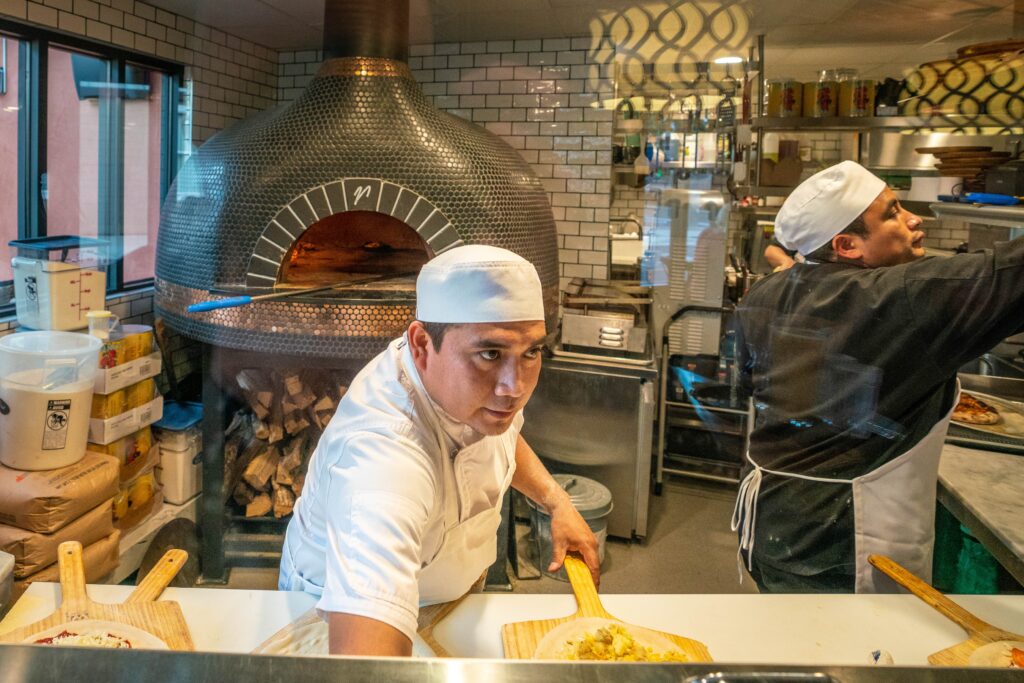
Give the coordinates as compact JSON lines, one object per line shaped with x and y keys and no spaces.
{"x":67,"y":638}
{"x":613,"y":643}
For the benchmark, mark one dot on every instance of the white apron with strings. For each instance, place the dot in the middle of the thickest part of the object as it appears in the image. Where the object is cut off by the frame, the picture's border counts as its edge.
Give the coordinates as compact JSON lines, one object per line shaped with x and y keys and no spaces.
{"x":893,"y":509}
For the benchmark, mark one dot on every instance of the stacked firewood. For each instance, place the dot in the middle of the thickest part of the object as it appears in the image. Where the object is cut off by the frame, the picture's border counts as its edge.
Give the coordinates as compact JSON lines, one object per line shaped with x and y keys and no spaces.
{"x":269,"y":441}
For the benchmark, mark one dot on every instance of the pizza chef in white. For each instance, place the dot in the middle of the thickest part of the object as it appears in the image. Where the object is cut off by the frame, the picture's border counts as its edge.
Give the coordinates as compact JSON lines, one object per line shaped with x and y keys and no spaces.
{"x":404,"y":492}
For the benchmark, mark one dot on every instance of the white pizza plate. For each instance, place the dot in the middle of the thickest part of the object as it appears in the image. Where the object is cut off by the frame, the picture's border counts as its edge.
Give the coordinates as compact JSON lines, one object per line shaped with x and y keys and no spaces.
{"x":138,"y":638}
{"x":1011,"y":413}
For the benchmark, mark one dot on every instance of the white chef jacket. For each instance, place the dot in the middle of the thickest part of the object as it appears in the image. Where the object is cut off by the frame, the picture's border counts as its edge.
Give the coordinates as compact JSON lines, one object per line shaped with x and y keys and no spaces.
{"x":372,"y":511}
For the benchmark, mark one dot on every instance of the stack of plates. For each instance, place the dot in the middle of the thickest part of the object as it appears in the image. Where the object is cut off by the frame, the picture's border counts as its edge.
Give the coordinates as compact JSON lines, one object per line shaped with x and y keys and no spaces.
{"x":965,"y":162}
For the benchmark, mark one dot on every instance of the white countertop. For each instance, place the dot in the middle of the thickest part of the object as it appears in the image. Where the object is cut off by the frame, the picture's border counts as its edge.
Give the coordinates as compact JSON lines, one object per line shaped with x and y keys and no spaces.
{"x":783,"y":629}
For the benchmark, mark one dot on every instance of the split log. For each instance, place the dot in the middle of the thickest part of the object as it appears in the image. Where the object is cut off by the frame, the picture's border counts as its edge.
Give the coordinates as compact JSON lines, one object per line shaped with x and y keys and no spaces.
{"x":260,"y":506}
{"x":283,"y":474}
{"x":262,"y":468}
{"x":304,"y":398}
{"x":294,"y":454}
{"x":243,"y":494}
{"x":292,"y":383}
{"x":257,"y":390}
{"x":275,"y":423}
{"x":284,"y":501}
{"x":295,"y":422}
{"x":300,"y":479}
{"x":323,"y":411}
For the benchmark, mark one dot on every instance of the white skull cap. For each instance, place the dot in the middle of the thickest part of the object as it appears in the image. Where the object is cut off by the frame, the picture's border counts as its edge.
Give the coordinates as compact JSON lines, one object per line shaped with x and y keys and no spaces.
{"x":478,"y":283}
{"x":823,"y":206}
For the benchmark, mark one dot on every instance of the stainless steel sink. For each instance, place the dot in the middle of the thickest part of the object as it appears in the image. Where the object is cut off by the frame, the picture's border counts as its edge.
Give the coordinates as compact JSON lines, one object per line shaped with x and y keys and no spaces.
{"x":991,"y":365}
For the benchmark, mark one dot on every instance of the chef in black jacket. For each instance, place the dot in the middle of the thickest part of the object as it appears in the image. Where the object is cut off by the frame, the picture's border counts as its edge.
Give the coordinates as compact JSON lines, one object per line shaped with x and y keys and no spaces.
{"x":852,"y":360}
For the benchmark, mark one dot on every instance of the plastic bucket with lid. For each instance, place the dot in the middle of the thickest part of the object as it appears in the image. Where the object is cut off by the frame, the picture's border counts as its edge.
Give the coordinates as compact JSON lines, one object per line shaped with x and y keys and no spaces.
{"x":594,"y":503}
{"x":46,"y":382}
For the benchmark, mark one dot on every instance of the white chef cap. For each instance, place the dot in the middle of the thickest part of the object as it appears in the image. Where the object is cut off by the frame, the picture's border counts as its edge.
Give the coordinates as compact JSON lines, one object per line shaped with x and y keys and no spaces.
{"x":824,"y":205}
{"x":478,"y":283}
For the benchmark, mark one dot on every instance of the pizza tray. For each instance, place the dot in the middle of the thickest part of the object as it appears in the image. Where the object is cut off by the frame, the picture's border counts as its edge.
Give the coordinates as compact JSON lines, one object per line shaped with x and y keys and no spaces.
{"x":1010,"y":426}
{"x":162,"y":619}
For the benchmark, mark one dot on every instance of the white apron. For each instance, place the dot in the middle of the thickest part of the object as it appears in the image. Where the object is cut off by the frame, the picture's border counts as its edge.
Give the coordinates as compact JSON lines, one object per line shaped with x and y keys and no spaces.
{"x":469,"y":546}
{"x":893,"y":509}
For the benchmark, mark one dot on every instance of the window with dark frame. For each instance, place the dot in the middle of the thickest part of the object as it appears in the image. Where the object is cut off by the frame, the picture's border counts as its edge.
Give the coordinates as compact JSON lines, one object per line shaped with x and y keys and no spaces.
{"x":90,"y":140}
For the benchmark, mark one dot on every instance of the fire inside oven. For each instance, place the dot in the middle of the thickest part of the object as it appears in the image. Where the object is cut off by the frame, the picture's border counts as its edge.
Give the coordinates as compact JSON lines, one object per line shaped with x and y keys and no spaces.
{"x":354,"y":244}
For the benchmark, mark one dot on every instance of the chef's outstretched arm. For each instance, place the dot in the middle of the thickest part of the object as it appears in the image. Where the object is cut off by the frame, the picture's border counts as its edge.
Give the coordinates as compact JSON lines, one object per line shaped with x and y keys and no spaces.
{"x":568,"y":529}
{"x":351,"y":634}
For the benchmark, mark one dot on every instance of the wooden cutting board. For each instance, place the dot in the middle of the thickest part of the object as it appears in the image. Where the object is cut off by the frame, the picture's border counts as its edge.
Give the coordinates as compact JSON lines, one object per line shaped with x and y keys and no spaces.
{"x":162,"y":619}
{"x":979,"y":632}
{"x":520,"y":639}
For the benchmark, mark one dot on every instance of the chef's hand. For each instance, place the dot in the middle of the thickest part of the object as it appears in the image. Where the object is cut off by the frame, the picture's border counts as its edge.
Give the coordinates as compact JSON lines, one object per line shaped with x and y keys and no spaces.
{"x":570,"y":532}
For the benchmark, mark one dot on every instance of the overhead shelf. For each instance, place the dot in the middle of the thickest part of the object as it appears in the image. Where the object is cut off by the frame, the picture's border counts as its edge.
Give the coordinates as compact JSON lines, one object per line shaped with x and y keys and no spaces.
{"x":764,"y":191}
{"x":862,"y":123}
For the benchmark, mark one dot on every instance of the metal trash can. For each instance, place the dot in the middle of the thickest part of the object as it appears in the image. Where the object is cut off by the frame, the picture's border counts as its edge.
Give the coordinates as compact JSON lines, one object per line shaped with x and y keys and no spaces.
{"x":594,"y":503}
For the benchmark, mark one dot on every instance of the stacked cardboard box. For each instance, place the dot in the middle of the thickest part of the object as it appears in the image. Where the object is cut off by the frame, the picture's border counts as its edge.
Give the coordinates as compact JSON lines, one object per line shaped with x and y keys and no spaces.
{"x":126,"y":402}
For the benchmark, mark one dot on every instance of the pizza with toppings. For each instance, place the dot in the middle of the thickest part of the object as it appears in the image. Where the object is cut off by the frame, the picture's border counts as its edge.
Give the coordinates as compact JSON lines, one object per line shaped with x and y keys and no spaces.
{"x":972,"y":410}
{"x":97,"y":633}
{"x":69,"y":638}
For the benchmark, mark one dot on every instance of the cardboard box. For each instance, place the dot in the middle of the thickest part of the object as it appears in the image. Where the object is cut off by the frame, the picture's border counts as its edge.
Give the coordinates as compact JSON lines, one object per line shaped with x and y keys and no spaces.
{"x":116,"y":378}
{"x":140,"y":465}
{"x":784,"y":173}
{"x":135,"y":452}
{"x":105,"y":431}
{"x":100,"y":559}
{"x":47,"y":500}
{"x":33,"y":552}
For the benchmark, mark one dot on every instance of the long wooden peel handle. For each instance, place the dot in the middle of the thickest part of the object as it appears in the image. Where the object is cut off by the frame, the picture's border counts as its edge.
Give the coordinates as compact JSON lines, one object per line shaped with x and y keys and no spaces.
{"x":74,"y":599}
{"x":940,"y":602}
{"x":583,"y":587}
{"x":159,"y":577}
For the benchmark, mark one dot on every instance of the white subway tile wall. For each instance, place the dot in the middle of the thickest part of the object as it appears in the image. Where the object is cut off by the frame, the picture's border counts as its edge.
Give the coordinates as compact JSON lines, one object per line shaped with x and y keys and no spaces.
{"x":537,"y":95}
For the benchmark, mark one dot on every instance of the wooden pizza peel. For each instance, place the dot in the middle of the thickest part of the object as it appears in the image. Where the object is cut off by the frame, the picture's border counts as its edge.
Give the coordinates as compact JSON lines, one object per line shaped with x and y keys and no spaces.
{"x":141,"y":610}
{"x":521,"y":639}
{"x":979,"y":632}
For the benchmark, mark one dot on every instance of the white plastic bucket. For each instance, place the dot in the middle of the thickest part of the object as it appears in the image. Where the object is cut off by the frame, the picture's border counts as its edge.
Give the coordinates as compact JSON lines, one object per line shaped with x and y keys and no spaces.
{"x":46,"y":381}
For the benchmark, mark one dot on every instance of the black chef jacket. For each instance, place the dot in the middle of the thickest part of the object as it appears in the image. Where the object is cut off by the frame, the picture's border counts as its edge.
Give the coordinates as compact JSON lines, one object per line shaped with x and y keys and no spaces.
{"x":849,"y":368}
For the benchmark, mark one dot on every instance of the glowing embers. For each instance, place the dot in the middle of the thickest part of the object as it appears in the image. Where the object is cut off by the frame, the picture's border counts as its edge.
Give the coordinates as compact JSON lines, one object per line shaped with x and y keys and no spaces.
{"x":355,"y":244}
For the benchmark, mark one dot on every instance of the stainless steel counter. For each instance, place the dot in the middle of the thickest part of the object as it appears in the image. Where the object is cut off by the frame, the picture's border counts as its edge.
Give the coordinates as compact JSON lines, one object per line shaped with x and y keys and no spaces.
{"x":60,"y":665}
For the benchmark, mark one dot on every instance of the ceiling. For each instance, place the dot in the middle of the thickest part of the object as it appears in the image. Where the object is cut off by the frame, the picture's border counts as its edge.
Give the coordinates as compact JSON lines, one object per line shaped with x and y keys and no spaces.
{"x":879,"y":37}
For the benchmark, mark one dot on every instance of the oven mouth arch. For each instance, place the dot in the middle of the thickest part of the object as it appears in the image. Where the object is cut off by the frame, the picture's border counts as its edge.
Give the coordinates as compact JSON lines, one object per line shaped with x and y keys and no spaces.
{"x":331,"y":201}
